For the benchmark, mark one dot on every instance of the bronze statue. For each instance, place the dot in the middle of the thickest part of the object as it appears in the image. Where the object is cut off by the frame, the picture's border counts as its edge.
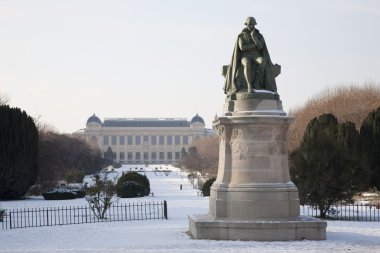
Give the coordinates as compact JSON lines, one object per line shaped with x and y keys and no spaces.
{"x":251,"y":67}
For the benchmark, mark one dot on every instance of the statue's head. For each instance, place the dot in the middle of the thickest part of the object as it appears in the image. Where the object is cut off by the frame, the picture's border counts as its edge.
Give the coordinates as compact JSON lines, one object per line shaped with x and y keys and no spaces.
{"x":250,"y":22}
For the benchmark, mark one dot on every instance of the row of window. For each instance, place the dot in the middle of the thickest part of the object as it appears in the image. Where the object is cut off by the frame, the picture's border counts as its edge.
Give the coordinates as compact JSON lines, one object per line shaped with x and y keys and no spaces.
{"x":146,"y":156}
{"x":136,"y":140}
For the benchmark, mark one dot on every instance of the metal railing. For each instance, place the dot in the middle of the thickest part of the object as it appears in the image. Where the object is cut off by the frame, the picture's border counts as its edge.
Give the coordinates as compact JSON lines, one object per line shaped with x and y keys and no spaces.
{"x":54,"y":216}
{"x":354,"y":212}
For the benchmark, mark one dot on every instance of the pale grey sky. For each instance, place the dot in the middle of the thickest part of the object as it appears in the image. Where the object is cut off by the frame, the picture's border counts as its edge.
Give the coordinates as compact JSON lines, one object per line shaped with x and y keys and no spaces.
{"x":65,"y":60}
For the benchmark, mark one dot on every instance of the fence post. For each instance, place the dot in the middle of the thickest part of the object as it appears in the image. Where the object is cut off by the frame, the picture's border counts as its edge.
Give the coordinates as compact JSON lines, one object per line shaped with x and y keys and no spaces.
{"x":47,"y":216}
{"x":10,"y":219}
{"x":165,"y":210}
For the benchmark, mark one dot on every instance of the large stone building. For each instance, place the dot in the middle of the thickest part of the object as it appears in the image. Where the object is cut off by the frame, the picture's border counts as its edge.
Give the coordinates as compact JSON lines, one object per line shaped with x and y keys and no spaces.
{"x":141,"y":140}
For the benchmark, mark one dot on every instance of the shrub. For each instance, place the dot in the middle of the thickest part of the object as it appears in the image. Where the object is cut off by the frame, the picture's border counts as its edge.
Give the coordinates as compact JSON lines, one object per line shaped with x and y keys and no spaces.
{"x":206,"y":187}
{"x":100,"y":196}
{"x":80,"y":193}
{"x":62,"y":193}
{"x":130,"y":189}
{"x":59,"y":195}
{"x":135,"y":177}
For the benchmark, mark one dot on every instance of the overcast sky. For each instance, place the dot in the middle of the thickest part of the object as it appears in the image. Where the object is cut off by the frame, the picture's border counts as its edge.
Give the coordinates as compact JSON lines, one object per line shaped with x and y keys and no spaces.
{"x":65,"y":60}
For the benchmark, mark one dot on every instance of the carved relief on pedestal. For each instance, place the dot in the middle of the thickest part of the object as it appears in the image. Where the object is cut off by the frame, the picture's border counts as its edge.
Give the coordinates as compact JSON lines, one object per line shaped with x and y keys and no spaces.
{"x":220,"y":131}
{"x":239,"y":148}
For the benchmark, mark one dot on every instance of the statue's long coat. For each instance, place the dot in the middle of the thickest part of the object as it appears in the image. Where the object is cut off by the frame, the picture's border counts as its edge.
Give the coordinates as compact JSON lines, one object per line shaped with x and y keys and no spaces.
{"x":231,"y":85}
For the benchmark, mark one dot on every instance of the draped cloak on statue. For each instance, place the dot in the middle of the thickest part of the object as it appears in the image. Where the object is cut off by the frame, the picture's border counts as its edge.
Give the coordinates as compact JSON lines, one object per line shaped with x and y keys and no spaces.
{"x":235,"y":80}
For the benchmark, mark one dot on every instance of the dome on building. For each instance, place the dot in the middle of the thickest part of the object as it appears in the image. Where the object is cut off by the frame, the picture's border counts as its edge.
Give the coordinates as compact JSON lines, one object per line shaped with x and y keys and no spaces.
{"x":94,"y":119}
{"x":196,"y":119}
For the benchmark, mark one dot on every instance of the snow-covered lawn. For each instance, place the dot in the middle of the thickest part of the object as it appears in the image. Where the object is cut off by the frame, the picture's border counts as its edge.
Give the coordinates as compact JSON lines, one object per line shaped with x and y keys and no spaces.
{"x":168,"y":235}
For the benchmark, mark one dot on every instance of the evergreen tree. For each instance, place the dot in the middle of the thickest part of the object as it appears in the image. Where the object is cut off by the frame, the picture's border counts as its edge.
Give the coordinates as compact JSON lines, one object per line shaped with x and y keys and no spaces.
{"x":320,"y":167}
{"x":348,"y":138}
{"x":108,"y":157}
{"x":18,"y":152}
{"x":370,"y":146}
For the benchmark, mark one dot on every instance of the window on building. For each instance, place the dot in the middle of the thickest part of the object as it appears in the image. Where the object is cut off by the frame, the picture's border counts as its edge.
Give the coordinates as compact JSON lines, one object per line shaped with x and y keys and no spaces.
{"x":185,"y":140}
{"x":162,"y":156}
{"x":146,"y":140}
{"x":105,"y":140}
{"x":162,"y":140}
{"x":130,"y":156}
{"x":169,"y":140}
{"x":154,"y":156}
{"x":121,"y":156}
{"x":170,"y":155}
{"x":138,"y":156}
{"x":146,"y":156}
{"x":121,"y":140}
{"x":130,"y":140}
{"x":138,"y":140}
{"x":154,"y":140}
{"x":177,"y":155}
{"x":177,"y":140}
{"x":113,"y":140}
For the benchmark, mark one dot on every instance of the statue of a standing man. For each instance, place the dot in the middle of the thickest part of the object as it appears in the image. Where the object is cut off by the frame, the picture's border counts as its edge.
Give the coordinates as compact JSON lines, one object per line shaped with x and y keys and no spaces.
{"x":251,"y":67}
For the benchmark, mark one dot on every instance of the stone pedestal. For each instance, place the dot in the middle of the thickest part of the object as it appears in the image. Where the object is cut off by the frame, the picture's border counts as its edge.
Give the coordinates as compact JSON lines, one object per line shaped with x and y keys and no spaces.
{"x":253,"y":197}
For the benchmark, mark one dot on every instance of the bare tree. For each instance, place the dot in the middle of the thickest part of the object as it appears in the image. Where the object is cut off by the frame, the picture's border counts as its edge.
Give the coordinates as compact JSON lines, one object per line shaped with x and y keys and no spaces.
{"x":4,"y":99}
{"x":347,"y":103}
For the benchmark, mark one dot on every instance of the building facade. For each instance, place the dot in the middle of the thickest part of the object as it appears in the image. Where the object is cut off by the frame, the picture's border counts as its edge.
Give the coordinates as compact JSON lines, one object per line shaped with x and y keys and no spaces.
{"x":144,"y":140}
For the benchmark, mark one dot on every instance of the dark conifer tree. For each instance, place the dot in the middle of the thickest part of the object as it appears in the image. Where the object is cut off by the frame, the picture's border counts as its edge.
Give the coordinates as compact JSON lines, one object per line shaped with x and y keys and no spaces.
{"x":319,"y":167}
{"x":370,"y":146}
{"x":18,"y":152}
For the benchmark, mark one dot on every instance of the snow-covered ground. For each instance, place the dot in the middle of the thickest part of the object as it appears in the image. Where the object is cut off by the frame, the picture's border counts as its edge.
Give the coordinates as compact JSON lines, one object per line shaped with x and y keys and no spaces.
{"x":168,"y":235}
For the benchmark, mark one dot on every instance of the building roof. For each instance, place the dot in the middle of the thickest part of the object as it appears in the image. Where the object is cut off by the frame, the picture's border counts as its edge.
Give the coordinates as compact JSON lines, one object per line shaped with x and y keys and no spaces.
{"x":197,"y":118}
{"x":95,"y":119}
{"x":146,"y":122}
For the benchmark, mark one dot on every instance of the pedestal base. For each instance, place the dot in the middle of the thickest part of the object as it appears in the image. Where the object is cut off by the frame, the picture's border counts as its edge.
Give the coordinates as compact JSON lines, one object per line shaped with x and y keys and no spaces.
{"x":270,"y":229}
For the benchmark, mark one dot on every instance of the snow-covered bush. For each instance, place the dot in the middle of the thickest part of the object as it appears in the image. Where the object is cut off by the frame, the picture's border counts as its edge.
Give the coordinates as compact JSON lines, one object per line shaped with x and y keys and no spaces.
{"x":64,"y":192}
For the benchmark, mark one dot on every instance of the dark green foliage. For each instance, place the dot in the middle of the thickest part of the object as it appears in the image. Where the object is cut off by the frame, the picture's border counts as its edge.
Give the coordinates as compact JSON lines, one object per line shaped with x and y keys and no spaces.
{"x":18,"y":152}
{"x":59,"y":195}
{"x":108,"y":157}
{"x":370,"y":146}
{"x":348,"y":138}
{"x":130,"y":189}
{"x":323,"y":166}
{"x":135,"y":177}
{"x":206,"y":187}
{"x":80,"y":193}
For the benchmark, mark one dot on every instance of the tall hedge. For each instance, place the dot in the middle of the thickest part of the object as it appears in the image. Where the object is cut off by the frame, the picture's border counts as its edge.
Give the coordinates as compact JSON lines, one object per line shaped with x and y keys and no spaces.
{"x":370,"y":146}
{"x":18,"y":152}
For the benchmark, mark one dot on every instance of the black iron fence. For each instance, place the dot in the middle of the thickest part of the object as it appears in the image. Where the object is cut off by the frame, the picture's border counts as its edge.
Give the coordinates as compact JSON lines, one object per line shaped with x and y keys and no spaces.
{"x":354,"y":212}
{"x":53,"y":216}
